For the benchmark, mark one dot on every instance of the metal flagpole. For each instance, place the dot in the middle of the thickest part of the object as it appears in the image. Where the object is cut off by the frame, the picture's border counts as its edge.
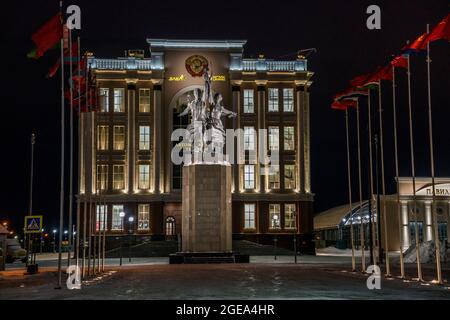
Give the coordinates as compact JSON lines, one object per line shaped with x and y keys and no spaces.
{"x":70,"y":236}
{"x":30,"y":210}
{"x":350,"y":192}
{"x":383,"y":185}
{"x":61,"y":200}
{"x":372,"y":222}
{"x":433,"y":207}
{"x":400,"y":231}
{"x":77,"y":248}
{"x":413,"y":173}
{"x":361,"y":226}
{"x":89,"y":269}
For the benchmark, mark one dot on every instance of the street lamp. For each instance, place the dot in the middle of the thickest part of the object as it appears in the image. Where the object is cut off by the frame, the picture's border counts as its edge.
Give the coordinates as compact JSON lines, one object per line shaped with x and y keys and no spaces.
{"x":121,"y":215}
{"x":130,"y":231}
{"x":54,"y":240}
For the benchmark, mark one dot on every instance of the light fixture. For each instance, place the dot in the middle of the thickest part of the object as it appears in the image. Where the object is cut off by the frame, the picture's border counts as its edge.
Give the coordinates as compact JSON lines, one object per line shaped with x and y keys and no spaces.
{"x":55,"y":231}
{"x":130,"y":219}
{"x":122,"y":214}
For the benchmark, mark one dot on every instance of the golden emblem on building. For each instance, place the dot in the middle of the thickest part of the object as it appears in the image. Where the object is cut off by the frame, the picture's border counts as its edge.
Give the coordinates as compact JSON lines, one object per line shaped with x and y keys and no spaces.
{"x":196,"y":65}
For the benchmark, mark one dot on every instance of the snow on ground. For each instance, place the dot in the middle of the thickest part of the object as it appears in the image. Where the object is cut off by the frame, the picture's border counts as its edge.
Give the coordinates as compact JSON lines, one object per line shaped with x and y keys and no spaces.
{"x":332,"y":251}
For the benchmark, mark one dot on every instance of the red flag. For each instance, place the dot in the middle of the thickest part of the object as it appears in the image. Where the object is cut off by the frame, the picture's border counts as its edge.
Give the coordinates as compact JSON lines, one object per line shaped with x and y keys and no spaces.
{"x":48,"y":35}
{"x":359,"y":81}
{"x":337,"y":105}
{"x":415,"y":46}
{"x":441,"y":31}
{"x":400,"y":62}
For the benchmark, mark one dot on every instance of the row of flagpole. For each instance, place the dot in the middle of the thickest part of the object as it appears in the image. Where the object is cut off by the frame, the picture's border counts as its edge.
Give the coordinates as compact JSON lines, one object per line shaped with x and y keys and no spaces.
{"x":350,"y":98}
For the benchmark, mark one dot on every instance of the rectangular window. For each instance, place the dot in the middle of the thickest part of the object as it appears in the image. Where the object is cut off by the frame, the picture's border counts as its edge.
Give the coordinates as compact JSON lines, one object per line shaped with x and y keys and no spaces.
{"x":117,"y":220}
{"x":118,"y":177}
{"x":289,"y":177}
{"x":119,"y":137}
{"x":144,"y":100}
{"x":102,"y":177}
{"x":102,"y":218}
{"x":288,"y":100}
{"x":442,"y":230}
{"x":274,"y":138}
{"x":104,"y":99}
{"x":289,"y":139}
{"x":144,"y":217}
{"x":273,"y":100}
{"x":274,"y":216}
{"x":144,"y":176}
{"x":249,"y":177}
{"x":274,"y":178}
{"x":119,"y":100}
{"x":412,"y":230}
{"x":102,"y":138}
{"x":144,"y":138}
{"x":249,"y":101}
{"x":290,"y":214}
{"x":249,"y":138}
{"x":249,"y":216}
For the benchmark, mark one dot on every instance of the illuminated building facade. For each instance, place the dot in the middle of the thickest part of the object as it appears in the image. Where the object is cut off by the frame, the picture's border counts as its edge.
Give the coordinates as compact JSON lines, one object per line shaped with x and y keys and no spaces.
{"x":126,"y":147}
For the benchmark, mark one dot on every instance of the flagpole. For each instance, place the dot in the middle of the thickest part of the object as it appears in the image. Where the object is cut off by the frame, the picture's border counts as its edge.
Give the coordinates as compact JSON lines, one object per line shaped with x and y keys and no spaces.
{"x":85,"y":187}
{"x":361,"y":226}
{"x":383,"y":184}
{"x":400,"y":231}
{"x":413,"y":173}
{"x":350,"y":193}
{"x":77,"y":247}
{"x":433,"y":207}
{"x":70,"y":237}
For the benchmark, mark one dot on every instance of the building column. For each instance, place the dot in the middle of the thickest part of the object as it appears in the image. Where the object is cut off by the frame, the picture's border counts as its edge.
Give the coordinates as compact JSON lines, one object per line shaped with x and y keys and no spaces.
{"x":300,"y":155}
{"x":405,"y":225}
{"x":236,"y":103}
{"x":131,"y":141}
{"x":428,"y":222}
{"x":261,"y":105}
{"x":157,"y":139}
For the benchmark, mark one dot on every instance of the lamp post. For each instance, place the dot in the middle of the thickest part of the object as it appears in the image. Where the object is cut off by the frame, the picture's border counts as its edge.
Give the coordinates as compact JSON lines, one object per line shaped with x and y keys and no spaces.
{"x":122,"y":216}
{"x":54,"y":240}
{"x":130,"y":231}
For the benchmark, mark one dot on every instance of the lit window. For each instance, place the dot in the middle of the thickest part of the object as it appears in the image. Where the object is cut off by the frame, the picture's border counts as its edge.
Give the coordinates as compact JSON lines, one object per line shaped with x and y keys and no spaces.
{"x":274,"y":178}
{"x":289,"y":139}
{"x":289,"y":177}
{"x":273,"y":100}
{"x":289,"y":216}
{"x":274,"y":212}
{"x":249,"y":176}
{"x":170,"y":227}
{"x":102,"y":218}
{"x":288,"y":100}
{"x":117,"y":220}
{"x":102,"y":177}
{"x":249,"y":101}
{"x":102,"y":138}
{"x":144,"y":217}
{"x":144,"y":176}
{"x":144,"y":100}
{"x":274,"y":138}
{"x":144,"y":138}
{"x":119,"y":137}
{"x":119,"y":103}
{"x":249,"y":216}
{"x":104,"y":99}
{"x":118,"y":177}
{"x":249,"y":138}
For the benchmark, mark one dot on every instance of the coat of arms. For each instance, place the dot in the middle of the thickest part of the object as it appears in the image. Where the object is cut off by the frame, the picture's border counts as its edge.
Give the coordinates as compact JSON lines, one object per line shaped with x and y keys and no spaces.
{"x":196,"y":65}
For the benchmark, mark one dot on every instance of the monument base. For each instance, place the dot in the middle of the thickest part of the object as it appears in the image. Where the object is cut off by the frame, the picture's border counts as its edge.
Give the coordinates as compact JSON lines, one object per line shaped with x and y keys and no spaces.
{"x":207,"y":258}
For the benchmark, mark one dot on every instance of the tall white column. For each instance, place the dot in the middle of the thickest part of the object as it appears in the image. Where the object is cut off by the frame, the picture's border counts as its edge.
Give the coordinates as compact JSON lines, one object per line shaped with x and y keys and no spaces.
{"x":157,"y":141}
{"x":405,"y":225}
{"x":261,"y":100}
{"x":428,"y":222}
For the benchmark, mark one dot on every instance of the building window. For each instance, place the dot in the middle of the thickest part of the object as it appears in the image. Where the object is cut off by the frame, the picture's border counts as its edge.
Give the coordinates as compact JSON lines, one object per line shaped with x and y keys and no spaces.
{"x":273,"y":100}
{"x":102,"y":177}
{"x":289,"y":177}
{"x":119,"y":137}
{"x":102,"y":138}
{"x":117,"y":220}
{"x":290,"y":215}
{"x":289,"y":139}
{"x":144,"y":100}
{"x":288,"y":100}
{"x":249,"y":176}
{"x":249,"y":138}
{"x":104,"y":99}
{"x":412,"y":230}
{"x":274,"y":177}
{"x":144,"y":176}
{"x":274,"y":138}
{"x":249,"y":216}
{"x":249,"y":101}
{"x":274,"y":212}
{"x":170,"y":227}
{"x":144,"y":138}
{"x":442,"y":230}
{"x":144,"y":217}
{"x":119,"y":102}
{"x":118,"y":177}
{"x":102,"y":218}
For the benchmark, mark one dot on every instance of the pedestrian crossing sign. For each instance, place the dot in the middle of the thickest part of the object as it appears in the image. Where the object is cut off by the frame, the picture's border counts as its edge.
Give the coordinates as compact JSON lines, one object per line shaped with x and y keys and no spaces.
{"x":33,"y":224}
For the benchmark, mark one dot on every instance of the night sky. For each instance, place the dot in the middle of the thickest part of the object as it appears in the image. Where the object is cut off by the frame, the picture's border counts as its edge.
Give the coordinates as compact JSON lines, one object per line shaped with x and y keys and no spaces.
{"x":346,"y":48}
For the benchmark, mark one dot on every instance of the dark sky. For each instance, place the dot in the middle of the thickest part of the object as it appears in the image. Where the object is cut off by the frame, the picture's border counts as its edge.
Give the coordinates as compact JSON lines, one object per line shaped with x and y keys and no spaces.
{"x":346,"y":48}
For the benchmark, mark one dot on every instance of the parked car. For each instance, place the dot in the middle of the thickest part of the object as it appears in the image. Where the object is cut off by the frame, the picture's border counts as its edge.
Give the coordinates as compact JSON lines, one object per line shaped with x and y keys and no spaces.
{"x":14,"y":251}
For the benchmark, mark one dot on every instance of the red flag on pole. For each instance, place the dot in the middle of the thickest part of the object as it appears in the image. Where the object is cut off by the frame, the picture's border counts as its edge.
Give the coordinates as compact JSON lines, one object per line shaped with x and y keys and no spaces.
{"x":400,"y":62}
{"x":440,"y":32}
{"x":48,"y":36}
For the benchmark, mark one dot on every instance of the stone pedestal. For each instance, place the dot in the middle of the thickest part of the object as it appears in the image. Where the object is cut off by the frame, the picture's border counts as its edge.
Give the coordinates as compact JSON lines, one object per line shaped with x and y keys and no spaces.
{"x":207,"y":216}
